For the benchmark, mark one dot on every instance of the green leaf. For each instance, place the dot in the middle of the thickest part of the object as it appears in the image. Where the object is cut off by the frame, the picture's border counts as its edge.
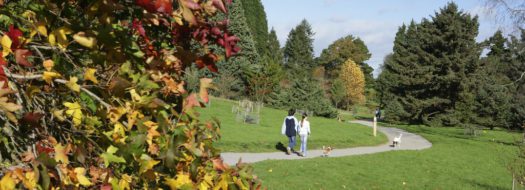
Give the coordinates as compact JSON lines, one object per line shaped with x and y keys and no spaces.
{"x":146,"y":84}
{"x":88,"y":101}
{"x":109,"y":156}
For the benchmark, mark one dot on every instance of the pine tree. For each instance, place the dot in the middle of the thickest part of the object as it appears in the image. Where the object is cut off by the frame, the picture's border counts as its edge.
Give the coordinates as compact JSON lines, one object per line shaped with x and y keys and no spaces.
{"x":256,"y":19}
{"x":430,"y":77}
{"x":242,"y":63}
{"x":353,"y":81}
{"x":274,"y":48}
{"x":298,"y":50}
{"x":305,"y":94}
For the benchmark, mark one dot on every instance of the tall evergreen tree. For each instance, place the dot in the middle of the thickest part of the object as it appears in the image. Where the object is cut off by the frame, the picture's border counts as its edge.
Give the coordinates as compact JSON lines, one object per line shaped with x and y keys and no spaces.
{"x":256,"y":19}
{"x":430,"y":75}
{"x":242,"y":63}
{"x":299,"y":49}
{"x":274,"y":48}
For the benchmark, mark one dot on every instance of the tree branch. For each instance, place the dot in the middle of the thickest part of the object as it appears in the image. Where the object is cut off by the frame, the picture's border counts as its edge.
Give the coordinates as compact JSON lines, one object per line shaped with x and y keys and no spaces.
{"x":517,"y":80}
{"x":61,"y":81}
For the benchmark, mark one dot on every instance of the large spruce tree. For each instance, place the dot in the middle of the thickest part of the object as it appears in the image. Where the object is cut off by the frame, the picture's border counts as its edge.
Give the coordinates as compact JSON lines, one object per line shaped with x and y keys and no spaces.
{"x":430,"y":77}
{"x":299,"y":49}
{"x":274,"y":48}
{"x":256,"y":20}
{"x":242,"y":63}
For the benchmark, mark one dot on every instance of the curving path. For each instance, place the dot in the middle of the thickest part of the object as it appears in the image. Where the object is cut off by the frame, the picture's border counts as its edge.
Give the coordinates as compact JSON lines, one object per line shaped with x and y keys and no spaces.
{"x":409,"y":141}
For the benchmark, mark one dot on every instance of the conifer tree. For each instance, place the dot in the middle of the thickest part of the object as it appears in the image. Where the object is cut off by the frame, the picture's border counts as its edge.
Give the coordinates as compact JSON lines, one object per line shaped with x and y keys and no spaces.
{"x":241,"y":64}
{"x":256,"y":20}
{"x":274,"y":48}
{"x":298,"y":50}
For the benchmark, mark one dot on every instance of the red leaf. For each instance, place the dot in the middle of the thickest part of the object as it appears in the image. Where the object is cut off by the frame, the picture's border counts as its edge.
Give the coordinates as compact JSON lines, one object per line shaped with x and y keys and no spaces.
{"x":156,"y":6}
{"x":137,"y":25}
{"x":21,"y":57}
{"x":220,"y":5}
{"x":32,"y":119}
{"x":14,"y":34}
{"x":208,"y":60}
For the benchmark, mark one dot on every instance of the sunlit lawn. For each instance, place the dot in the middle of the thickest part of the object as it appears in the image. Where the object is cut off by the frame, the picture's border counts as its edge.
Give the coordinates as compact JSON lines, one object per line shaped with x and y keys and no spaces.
{"x":263,"y":137}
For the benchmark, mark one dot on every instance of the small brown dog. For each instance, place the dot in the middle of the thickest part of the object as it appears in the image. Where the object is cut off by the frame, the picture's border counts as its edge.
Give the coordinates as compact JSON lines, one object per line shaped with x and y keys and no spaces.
{"x":327,"y":150}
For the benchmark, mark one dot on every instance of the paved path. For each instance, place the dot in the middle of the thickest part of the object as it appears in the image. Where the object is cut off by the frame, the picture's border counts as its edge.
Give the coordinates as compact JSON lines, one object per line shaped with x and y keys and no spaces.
{"x":409,"y":141}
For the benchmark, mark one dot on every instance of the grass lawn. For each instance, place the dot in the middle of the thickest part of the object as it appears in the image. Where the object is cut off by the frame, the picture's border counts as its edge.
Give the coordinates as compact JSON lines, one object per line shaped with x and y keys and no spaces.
{"x":455,"y":161}
{"x":240,"y":137}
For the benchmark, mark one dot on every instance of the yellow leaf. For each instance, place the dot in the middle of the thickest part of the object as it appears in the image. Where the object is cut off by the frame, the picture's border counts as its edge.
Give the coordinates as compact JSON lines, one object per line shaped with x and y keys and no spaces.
{"x":61,"y":154}
{"x":6,"y":106}
{"x":177,"y":15}
{"x":90,"y":75}
{"x":30,"y":181}
{"x":48,"y":64}
{"x":124,"y":182}
{"x":41,"y":28}
{"x":81,"y":177}
{"x":59,"y":36}
{"x":48,"y":76}
{"x":86,"y":41}
{"x":7,"y":183}
{"x":223,"y":183}
{"x":72,"y":84}
{"x":152,"y":131}
{"x":6,"y":45}
{"x":52,"y":39}
{"x":182,"y":179}
{"x":135,"y":96}
{"x":59,"y":114}
{"x":147,"y":164}
{"x":115,"y":114}
{"x":29,"y":14}
{"x":74,"y":110}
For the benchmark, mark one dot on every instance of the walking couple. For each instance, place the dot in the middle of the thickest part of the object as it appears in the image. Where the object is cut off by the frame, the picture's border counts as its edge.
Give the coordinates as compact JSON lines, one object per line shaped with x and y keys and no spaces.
{"x":291,"y":127}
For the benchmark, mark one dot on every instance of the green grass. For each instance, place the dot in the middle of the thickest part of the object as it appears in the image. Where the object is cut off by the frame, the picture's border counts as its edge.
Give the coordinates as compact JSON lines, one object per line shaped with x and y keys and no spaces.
{"x":240,"y":137}
{"x":455,"y":161}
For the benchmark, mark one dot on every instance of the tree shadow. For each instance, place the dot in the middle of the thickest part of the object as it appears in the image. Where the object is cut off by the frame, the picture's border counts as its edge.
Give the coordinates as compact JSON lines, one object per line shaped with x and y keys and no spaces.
{"x":483,"y":185}
{"x":280,"y":146}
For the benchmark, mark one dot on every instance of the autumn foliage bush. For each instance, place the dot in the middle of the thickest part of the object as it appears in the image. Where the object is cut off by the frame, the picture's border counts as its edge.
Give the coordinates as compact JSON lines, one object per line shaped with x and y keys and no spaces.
{"x":92,"y":95}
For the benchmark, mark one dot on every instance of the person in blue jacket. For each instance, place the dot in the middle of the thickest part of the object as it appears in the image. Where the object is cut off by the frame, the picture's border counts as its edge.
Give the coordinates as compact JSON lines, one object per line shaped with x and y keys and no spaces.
{"x":289,"y":129}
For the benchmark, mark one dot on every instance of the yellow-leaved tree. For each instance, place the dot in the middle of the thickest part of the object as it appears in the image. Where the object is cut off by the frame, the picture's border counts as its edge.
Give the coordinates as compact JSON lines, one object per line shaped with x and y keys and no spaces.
{"x":354,"y":83}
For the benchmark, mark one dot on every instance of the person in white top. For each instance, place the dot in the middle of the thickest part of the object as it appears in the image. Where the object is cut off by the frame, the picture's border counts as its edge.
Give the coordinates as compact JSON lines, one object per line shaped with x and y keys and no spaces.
{"x":304,"y":131}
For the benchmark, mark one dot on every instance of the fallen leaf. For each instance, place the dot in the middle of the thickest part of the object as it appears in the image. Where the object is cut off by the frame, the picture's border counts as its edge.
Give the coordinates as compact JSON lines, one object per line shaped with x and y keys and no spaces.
{"x":61,"y":154}
{"x":74,"y":110}
{"x":109,"y":156}
{"x":21,"y":57}
{"x":90,"y":75}
{"x":81,"y":177}
{"x":86,"y":41}
{"x":147,"y":164}
{"x":6,"y":45}
{"x":48,"y":76}
{"x":48,"y":64}
{"x":72,"y":84}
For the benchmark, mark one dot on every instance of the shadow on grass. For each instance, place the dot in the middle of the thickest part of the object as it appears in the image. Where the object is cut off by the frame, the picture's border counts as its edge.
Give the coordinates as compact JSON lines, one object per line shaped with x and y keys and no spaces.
{"x":280,"y":146}
{"x":483,"y":185}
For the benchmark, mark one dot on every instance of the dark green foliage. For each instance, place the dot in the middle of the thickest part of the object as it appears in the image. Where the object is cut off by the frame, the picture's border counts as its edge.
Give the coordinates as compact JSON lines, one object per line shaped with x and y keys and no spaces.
{"x":264,"y":79}
{"x":239,"y":65}
{"x":305,"y":94}
{"x":274,"y":48}
{"x":256,"y":20}
{"x":299,"y":50}
{"x":345,"y":48}
{"x":429,"y":77}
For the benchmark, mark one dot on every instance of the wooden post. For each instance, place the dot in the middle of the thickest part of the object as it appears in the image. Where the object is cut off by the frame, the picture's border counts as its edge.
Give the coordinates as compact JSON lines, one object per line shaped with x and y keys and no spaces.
{"x":375,"y":126}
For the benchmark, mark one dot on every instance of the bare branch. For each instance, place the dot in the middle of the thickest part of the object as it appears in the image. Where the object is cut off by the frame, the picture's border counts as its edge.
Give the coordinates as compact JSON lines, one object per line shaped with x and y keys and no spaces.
{"x":61,"y":81}
{"x":517,"y":80}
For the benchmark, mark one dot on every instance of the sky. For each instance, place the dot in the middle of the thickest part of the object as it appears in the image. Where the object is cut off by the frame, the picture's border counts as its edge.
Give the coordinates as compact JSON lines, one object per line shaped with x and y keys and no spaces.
{"x":374,"y":21}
